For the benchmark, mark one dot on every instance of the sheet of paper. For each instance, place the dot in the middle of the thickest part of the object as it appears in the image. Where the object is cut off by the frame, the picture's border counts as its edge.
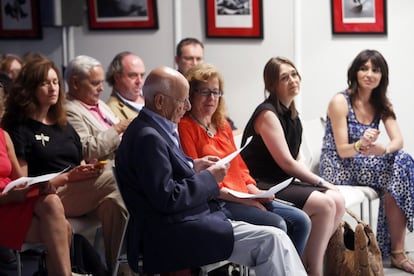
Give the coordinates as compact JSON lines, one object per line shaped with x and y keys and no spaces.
{"x":268,"y":193}
{"x":31,"y":180}
{"x":230,"y":157}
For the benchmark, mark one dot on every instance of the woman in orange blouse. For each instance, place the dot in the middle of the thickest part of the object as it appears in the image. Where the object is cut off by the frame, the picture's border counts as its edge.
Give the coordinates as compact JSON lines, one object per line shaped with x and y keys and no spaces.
{"x":204,"y":130}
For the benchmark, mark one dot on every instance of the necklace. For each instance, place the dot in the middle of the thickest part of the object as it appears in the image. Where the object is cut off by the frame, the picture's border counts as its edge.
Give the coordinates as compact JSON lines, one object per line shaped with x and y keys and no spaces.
{"x":208,"y":130}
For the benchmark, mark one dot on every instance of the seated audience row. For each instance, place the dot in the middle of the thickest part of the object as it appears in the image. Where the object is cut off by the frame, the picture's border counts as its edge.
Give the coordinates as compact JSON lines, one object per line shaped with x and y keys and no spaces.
{"x":170,"y":197}
{"x":45,"y":141}
{"x":183,"y":172}
{"x":204,"y":131}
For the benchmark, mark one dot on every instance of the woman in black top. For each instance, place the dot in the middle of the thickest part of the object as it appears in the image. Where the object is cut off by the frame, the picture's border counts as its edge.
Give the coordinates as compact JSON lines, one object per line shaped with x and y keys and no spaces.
{"x":273,"y":156}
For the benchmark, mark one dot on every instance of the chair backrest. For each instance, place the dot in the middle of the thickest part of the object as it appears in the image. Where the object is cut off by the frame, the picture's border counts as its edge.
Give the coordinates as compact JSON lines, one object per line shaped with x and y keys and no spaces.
{"x":313,"y":131}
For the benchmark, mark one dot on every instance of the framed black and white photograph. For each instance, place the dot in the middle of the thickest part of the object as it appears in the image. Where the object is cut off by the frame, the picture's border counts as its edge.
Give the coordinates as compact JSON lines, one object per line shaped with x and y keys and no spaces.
{"x":359,"y":17}
{"x":123,"y":14}
{"x":19,"y":19}
{"x":234,"y":19}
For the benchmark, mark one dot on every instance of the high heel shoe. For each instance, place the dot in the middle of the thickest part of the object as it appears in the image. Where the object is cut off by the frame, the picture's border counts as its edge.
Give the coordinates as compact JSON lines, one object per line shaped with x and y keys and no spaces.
{"x":400,"y":264}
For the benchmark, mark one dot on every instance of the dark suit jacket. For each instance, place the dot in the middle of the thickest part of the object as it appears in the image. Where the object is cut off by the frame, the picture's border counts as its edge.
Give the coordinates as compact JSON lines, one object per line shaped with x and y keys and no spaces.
{"x":171,"y":220}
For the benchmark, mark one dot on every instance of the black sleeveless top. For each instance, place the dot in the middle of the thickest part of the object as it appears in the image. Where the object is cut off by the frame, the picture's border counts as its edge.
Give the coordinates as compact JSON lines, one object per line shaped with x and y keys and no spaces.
{"x":258,"y":159}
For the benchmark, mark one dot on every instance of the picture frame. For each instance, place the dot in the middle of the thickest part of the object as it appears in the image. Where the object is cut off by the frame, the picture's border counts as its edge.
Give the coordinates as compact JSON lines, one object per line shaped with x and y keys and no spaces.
{"x":359,"y":17}
{"x":234,"y":19}
{"x":123,"y":14}
{"x":20,"y":20}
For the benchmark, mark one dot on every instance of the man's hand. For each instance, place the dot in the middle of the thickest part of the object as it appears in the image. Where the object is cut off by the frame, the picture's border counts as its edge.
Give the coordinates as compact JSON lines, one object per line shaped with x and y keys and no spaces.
{"x":205,"y":162}
{"x":218,"y":171}
{"x":122,"y":126}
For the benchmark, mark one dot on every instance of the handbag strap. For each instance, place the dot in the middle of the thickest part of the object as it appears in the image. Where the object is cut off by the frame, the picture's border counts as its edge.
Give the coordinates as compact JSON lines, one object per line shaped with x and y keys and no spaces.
{"x":352,"y":214}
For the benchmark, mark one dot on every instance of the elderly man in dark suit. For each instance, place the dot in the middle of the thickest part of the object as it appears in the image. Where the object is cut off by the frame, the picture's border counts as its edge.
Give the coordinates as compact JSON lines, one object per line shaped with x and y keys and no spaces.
{"x":174,"y":221}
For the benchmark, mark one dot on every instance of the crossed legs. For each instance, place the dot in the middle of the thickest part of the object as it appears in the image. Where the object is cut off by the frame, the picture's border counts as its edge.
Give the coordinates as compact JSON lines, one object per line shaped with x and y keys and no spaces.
{"x":326,"y":211}
{"x":50,"y":227}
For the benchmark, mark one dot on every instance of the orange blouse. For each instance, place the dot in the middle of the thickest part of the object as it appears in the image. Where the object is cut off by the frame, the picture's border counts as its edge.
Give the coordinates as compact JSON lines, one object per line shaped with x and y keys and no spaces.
{"x":196,"y":144}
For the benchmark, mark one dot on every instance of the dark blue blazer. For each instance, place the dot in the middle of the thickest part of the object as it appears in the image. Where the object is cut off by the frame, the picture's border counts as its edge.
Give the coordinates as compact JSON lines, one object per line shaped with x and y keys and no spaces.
{"x":172,"y":222}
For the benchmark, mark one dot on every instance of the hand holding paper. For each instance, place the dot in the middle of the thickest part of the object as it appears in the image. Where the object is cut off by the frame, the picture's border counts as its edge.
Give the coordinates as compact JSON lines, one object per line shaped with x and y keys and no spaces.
{"x":268,"y":193}
{"x":230,"y":157}
{"x":31,"y":180}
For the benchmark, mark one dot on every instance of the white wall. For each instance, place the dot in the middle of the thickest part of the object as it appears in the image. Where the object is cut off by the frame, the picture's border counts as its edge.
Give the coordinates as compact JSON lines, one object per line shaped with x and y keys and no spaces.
{"x":297,"y":29}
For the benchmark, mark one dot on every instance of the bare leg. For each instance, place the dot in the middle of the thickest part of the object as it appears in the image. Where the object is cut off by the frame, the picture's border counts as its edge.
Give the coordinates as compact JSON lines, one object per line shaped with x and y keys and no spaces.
{"x":340,"y":207}
{"x":50,"y":227}
{"x":397,"y":224}
{"x":322,"y":211}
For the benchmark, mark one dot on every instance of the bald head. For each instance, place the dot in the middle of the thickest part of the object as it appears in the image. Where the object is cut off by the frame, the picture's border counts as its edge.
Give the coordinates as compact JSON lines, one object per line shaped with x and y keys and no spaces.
{"x":163,"y":80}
{"x":166,"y":93}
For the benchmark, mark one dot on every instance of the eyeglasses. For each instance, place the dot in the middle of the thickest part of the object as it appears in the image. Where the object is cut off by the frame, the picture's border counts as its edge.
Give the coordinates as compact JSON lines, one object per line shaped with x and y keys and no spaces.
{"x":183,"y":101}
{"x":208,"y":92}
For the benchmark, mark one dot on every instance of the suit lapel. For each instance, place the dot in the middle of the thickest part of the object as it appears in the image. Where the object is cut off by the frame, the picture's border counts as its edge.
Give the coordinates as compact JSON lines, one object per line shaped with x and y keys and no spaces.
{"x":178,"y":152}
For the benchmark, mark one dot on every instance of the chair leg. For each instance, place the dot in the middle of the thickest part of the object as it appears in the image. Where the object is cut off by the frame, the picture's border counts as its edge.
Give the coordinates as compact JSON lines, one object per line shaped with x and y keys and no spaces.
{"x":362,"y":209}
{"x":370,"y":211}
{"x":18,"y":263}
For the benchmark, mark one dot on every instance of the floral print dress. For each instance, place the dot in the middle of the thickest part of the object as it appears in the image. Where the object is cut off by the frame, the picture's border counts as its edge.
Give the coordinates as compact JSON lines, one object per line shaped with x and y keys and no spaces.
{"x":391,"y":173}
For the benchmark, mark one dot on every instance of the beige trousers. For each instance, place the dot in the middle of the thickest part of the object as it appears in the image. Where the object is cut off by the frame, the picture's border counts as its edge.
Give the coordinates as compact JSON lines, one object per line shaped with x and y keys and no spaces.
{"x":99,"y":197}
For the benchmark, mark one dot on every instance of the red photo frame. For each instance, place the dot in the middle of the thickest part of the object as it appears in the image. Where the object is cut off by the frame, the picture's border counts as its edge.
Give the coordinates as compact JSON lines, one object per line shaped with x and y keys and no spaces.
{"x":359,"y":17}
{"x":20,"y":20}
{"x":109,"y":14}
{"x":234,"y":19}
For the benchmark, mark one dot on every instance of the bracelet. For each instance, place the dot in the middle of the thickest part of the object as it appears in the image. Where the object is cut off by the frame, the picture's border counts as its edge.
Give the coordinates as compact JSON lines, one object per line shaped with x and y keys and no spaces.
{"x":357,"y":146}
{"x":320,"y":182}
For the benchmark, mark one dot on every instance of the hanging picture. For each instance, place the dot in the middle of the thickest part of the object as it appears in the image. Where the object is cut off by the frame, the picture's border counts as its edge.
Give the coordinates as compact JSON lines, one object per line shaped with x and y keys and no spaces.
{"x":123,"y":14}
{"x":234,"y":19}
{"x":20,"y":19}
{"x":359,"y":17}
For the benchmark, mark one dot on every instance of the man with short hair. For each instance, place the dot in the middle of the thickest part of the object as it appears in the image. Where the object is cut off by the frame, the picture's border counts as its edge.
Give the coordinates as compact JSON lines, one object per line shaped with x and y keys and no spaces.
{"x":174,"y":222}
{"x":126,"y":76}
{"x":189,"y":52}
{"x":99,"y":131}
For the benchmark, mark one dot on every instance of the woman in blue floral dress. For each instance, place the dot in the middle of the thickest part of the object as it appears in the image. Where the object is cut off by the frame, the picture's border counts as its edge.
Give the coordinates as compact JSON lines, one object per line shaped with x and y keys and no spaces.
{"x":351,"y":154}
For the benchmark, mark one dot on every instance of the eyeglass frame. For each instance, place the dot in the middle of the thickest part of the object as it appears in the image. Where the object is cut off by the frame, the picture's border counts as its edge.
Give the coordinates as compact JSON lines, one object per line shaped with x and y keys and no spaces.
{"x":208,"y":92}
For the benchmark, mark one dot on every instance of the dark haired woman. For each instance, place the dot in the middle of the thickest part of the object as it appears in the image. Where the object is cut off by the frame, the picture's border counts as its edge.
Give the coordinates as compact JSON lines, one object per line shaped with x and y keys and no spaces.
{"x":352,"y":154}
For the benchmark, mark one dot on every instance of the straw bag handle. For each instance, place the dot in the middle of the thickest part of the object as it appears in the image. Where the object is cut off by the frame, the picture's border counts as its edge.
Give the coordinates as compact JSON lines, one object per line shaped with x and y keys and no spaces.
{"x":352,"y":214}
